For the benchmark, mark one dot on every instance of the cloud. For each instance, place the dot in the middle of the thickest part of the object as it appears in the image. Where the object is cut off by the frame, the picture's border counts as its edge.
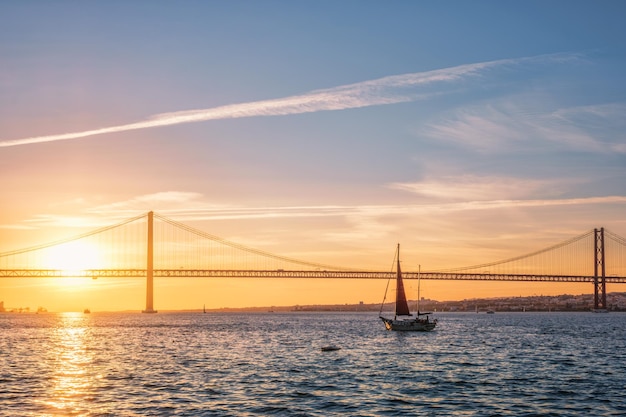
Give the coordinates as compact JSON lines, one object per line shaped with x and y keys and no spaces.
{"x":498,"y":204}
{"x":475,"y":188}
{"x":382,"y":91}
{"x":433,"y":224}
{"x":148,"y":200}
{"x":200,"y":211}
{"x":600,"y":126}
{"x":66,"y":222}
{"x":506,"y":125}
{"x":484,"y":128}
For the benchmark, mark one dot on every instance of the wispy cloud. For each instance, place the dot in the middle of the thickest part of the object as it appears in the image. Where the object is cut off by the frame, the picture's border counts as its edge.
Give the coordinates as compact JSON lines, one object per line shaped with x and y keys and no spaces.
{"x":601,"y":126}
{"x":476,"y":188}
{"x":506,"y":125}
{"x":163,"y":198}
{"x":382,"y":91}
{"x":101,"y":216}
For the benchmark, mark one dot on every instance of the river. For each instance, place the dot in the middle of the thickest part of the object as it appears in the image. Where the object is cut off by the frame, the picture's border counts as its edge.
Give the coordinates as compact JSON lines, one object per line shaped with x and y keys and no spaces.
{"x":264,"y":364}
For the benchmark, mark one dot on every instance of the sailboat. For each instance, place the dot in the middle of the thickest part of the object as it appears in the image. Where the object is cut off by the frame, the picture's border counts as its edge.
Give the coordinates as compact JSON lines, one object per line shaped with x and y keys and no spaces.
{"x":403,"y":320}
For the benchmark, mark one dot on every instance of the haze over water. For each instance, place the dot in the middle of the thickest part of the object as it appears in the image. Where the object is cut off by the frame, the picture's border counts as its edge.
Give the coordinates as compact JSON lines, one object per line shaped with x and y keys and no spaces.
{"x":219,"y":364}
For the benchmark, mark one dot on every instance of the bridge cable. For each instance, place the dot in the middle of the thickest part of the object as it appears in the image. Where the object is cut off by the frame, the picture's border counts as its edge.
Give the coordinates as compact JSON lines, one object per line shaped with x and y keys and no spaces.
{"x":246,"y":248}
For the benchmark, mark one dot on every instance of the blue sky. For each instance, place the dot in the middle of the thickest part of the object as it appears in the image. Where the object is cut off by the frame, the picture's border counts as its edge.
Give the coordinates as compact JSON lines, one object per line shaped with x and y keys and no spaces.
{"x":467,"y":130}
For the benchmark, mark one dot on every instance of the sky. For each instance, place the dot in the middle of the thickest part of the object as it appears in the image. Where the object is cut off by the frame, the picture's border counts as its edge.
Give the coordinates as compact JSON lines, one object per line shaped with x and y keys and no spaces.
{"x":469,"y":132}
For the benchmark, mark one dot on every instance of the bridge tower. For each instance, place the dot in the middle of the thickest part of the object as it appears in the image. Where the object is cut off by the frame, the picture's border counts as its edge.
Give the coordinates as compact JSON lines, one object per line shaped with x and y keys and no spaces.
{"x":599,"y":281}
{"x":149,"y":268}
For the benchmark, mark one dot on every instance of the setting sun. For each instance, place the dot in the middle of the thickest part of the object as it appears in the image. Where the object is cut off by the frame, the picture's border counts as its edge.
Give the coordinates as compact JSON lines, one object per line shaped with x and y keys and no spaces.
{"x":73,"y":258}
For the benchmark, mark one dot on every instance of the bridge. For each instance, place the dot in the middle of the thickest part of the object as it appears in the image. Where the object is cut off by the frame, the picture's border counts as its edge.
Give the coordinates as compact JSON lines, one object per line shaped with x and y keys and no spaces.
{"x":151,"y":246}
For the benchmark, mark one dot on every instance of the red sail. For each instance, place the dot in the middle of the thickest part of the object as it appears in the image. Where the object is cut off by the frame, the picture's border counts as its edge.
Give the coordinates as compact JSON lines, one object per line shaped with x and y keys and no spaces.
{"x":402,"y":308}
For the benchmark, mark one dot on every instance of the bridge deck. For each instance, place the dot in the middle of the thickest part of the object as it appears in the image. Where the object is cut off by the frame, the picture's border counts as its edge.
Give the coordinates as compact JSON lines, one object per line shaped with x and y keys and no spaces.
{"x":202,"y":273}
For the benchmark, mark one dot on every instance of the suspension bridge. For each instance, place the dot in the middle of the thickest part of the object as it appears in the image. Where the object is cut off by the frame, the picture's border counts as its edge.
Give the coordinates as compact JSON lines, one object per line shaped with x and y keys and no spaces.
{"x":151,"y":245}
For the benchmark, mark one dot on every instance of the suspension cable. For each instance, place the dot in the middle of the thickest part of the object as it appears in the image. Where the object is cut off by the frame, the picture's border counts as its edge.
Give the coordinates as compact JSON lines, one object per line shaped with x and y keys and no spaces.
{"x":66,"y":240}
{"x":246,"y":248}
{"x":517,"y":258}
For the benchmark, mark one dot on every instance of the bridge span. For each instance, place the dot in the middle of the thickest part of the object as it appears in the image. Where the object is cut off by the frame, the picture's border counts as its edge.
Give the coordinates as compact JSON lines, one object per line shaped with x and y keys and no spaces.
{"x":148,"y":251}
{"x":234,"y":273}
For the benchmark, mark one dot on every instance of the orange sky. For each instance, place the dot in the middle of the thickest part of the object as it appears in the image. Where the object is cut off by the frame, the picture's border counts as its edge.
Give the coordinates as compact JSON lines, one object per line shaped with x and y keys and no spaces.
{"x":110,"y":294}
{"x":325,"y":134}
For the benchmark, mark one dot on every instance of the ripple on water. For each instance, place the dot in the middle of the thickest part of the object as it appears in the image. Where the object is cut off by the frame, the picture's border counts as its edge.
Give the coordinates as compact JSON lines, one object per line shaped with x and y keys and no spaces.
{"x":271,"y":364}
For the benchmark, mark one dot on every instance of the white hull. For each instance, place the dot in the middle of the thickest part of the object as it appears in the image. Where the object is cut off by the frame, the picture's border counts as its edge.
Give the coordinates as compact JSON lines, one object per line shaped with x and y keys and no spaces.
{"x":409,"y":325}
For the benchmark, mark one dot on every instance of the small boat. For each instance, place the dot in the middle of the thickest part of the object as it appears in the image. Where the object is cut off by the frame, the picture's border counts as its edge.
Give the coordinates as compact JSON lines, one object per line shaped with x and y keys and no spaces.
{"x":330,"y":348}
{"x":491,"y":312}
{"x":86,"y":311}
{"x":403,"y":320}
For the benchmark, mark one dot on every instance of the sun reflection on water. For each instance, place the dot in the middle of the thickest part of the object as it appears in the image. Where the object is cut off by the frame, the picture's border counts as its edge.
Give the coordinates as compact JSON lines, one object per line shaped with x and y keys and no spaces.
{"x":72,"y":382}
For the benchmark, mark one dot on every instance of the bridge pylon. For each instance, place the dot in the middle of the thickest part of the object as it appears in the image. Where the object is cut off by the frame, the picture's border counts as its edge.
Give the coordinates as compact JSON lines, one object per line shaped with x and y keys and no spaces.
{"x":149,"y":267}
{"x":599,"y":279}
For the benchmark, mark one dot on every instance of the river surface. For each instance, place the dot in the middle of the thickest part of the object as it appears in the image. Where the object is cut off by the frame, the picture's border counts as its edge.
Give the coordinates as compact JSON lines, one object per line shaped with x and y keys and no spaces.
{"x":265,"y":364}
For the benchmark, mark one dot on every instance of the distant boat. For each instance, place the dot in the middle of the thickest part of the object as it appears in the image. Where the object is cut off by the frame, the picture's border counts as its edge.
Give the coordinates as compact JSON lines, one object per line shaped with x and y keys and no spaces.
{"x":403,"y":320}
{"x":599,"y":310}
{"x":86,"y":311}
{"x":491,"y":312}
{"x":204,"y":308}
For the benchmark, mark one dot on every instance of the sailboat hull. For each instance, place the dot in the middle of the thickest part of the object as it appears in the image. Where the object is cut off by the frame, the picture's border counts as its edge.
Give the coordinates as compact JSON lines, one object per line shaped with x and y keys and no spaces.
{"x":409,"y":325}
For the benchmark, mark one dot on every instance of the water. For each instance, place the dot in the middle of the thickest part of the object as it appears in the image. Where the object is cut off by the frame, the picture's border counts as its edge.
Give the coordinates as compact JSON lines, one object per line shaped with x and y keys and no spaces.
{"x":114,"y":364}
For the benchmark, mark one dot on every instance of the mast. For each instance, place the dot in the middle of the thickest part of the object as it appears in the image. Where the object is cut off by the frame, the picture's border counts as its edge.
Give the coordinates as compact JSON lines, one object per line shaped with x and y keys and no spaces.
{"x":419,"y":270}
{"x":382,"y":305}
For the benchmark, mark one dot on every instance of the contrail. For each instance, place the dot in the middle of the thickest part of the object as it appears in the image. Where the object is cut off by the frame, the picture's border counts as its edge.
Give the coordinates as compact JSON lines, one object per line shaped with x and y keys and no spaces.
{"x":386,"y":90}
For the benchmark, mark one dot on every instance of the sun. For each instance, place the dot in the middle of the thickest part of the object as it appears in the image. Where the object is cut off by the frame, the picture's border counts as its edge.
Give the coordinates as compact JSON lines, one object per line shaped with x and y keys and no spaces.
{"x":73,"y":258}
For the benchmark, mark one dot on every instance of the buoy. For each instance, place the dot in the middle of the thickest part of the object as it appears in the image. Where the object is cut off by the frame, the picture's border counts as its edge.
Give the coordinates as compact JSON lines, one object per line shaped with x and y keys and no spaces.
{"x":330,"y":348}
